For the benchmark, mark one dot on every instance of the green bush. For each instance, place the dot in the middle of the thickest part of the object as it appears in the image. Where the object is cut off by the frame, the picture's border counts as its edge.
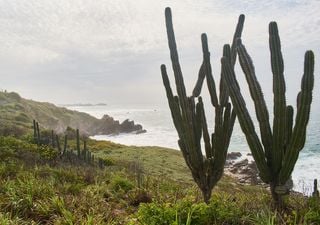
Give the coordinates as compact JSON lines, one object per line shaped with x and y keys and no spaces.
{"x":313,"y":215}
{"x":119,"y":183}
{"x":220,"y":210}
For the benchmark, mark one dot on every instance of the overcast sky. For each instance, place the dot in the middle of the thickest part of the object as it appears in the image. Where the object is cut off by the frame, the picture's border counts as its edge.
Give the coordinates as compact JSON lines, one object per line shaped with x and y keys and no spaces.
{"x":79,"y":51}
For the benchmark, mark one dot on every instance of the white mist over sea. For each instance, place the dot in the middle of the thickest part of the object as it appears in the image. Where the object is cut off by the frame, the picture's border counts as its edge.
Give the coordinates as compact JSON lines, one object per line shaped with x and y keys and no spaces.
{"x":161,"y":132}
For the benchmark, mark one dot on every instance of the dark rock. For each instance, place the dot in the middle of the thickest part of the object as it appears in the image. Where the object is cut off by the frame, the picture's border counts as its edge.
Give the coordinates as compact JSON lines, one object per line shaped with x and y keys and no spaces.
{"x":241,"y":163}
{"x":233,"y":155}
{"x":107,"y":125}
{"x":244,"y":171}
{"x":141,"y":197}
{"x":141,"y":131}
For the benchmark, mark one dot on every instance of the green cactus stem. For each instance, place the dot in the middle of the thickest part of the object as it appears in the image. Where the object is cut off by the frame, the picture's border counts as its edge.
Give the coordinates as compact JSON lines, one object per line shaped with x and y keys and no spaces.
{"x":189,"y":116}
{"x":58,"y":144}
{"x":315,"y":192}
{"x":78,"y":143}
{"x":52,"y":139}
{"x":65,"y":144}
{"x":35,"y":136}
{"x":38,"y":134}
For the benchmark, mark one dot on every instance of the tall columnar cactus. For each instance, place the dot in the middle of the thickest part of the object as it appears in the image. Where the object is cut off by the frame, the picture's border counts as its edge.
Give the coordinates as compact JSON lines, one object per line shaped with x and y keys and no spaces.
{"x":38,"y":134}
{"x":315,"y":192}
{"x":78,"y":143}
{"x":35,"y":136}
{"x":277,"y":149}
{"x":52,"y":139}
{"x":65,"y":144}
{"x":189,"y":117}
{"x":84,"y":152}
{"x":58,"y":144}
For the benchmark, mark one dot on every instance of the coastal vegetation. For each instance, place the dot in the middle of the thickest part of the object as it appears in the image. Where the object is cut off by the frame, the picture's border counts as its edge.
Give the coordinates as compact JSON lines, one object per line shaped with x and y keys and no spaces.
{"x":137,"y":185}
{"x":276,"y":151}
{"x":51,"y":172}
{"x":134,"y":185}
{"x":17,"y":114}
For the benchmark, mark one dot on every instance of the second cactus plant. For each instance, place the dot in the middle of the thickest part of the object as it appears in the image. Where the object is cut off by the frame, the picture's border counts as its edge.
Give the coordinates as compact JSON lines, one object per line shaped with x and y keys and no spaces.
{"x":277,"y":149}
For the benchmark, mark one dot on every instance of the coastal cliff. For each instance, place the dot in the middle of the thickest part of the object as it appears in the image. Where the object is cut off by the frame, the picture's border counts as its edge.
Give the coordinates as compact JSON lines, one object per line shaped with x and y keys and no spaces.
{"x":17,"y":114}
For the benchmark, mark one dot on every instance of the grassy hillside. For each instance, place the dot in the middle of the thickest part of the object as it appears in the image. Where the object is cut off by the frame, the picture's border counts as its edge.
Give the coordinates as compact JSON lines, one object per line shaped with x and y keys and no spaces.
{"x":120,"y":185}
{"x":138,"y":185}
{"x":17,"y":114}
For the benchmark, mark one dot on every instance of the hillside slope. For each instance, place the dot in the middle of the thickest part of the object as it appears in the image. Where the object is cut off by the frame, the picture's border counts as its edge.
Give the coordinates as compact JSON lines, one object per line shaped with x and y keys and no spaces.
{"x":17,"y":114}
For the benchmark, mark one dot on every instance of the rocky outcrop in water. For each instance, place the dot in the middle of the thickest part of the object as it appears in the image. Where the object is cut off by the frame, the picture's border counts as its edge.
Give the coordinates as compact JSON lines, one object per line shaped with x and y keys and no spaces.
{"x":107,"y":125}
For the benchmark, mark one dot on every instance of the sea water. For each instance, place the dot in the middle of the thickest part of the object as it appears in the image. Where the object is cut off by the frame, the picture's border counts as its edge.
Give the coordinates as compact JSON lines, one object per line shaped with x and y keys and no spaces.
{"x":161,"y":132}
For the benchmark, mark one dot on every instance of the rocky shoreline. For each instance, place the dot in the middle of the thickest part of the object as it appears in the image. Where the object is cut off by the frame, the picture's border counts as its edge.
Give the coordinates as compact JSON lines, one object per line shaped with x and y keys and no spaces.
{"x":244,"y":170}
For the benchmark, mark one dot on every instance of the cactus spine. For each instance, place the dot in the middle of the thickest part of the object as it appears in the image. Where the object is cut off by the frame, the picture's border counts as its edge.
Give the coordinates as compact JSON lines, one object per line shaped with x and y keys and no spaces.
{"x":189,"y":117}
{"x":277,"y":151}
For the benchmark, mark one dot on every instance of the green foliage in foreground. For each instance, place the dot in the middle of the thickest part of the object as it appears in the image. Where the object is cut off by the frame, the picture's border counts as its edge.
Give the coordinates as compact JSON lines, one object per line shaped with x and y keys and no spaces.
{"x":47,"y":191}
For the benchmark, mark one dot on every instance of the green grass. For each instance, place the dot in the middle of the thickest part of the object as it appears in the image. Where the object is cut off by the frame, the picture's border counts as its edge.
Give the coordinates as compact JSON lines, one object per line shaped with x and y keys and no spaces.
{"x":17,"y":114}
{"x":142,"y":186}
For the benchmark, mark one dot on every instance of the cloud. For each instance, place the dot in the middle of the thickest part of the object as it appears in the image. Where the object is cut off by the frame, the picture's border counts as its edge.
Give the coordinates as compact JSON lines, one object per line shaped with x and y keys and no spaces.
{"x":68,"y":45}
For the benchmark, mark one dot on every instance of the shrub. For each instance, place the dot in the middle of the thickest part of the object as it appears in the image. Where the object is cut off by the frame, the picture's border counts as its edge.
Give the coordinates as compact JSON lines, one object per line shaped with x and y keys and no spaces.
{"x":220,"y":210}
{"x":119,"y":183}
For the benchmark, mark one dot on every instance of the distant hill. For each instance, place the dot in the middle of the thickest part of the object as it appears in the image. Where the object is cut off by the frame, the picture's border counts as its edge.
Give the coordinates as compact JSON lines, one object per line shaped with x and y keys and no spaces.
{"x":17,"y":114}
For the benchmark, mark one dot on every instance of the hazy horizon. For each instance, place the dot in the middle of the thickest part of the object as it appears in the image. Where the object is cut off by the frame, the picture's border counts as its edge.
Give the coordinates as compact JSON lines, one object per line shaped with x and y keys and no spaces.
{"x":72,"y":51}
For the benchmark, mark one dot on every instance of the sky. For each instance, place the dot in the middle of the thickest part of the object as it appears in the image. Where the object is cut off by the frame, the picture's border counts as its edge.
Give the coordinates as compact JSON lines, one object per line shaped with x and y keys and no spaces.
{"x":79,"y":51}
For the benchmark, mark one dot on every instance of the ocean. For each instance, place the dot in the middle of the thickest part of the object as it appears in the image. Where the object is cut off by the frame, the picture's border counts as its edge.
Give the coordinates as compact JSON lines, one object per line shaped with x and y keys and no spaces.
{"x":161,"y":132}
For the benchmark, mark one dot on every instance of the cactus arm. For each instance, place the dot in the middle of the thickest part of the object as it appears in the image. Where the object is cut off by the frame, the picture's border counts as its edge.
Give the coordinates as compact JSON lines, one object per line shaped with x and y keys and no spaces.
{"x":175,"y":59}
{"x":228,"y":123}
{"x":208,"y":71}
{"x":289,"y":124}
{"x":245,"y":120}
{"x":222,"y":141}
{"x":183,"y":132}
{"x":237,"y":34}
{"x":279,"y":89}
{"x":224,"y":97}
{"x":258,"y":99}
{"x":203,"y":122}
{"x":186,"y":114}
{"x":173,"y":105}
{"x":299,"y":131}
{"x":197,"y":89}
